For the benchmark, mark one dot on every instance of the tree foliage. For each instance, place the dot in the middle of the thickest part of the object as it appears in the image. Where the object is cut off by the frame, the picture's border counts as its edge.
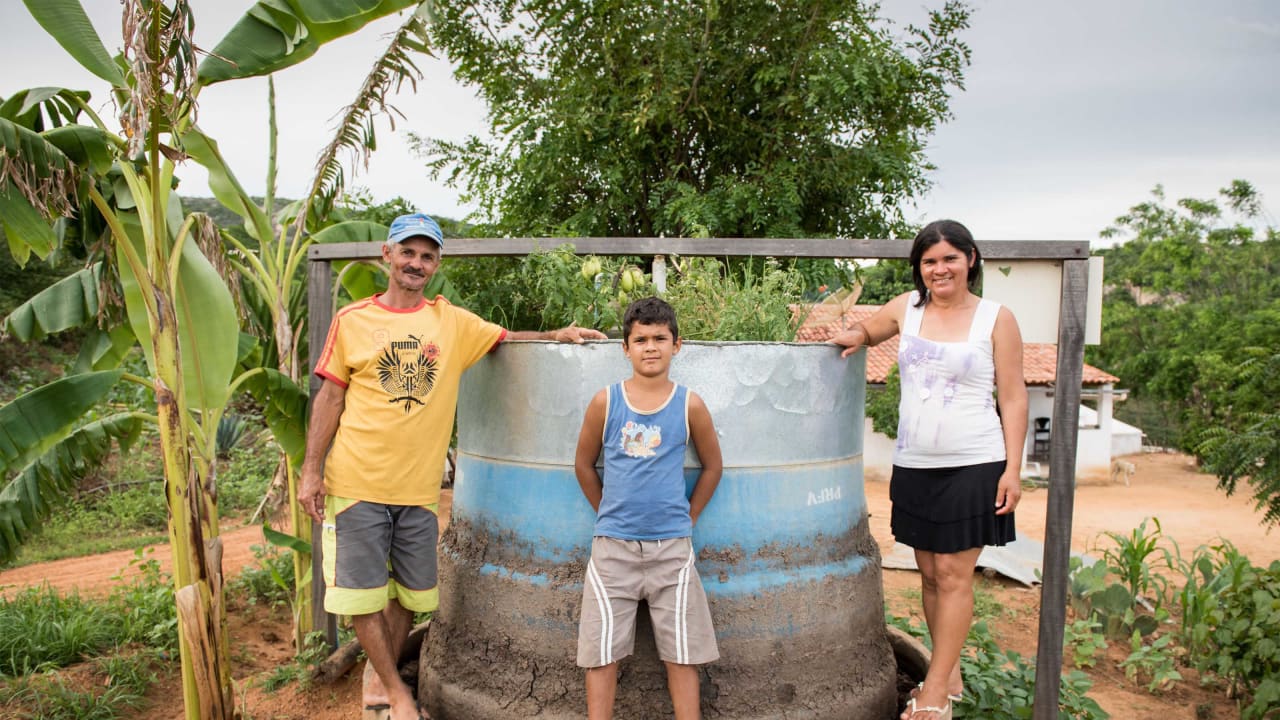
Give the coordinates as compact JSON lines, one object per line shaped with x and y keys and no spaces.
{"x":1193,"y":293}
{"x":884,"y":281}
{"x":756,"y":118}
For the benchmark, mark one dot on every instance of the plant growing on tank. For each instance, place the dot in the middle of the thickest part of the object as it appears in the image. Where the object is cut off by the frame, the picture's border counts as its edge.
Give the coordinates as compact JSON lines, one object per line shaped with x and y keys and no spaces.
{"x":753,"y":300}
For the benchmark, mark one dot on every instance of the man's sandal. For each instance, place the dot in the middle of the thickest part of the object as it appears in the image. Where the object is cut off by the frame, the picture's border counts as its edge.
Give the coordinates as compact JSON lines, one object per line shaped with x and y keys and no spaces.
{"x":942,"y":713}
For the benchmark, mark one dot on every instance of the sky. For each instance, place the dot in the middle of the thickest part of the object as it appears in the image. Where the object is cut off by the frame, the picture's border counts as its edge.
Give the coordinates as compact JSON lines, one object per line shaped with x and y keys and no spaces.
{"x":1071,"y":112}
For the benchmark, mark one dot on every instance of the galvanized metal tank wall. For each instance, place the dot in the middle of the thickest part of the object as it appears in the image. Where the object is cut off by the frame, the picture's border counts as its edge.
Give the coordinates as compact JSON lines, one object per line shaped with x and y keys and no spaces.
{"x":784,"y":549}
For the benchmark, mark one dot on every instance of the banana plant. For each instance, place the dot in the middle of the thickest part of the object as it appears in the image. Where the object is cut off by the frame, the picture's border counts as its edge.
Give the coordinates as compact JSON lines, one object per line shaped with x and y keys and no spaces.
{"x":65,"y":179}
{"x":271,"y":267}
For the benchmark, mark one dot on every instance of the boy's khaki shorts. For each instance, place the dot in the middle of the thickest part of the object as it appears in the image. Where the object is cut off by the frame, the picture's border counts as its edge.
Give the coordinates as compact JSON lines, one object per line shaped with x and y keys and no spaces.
{"x":620,"y":574}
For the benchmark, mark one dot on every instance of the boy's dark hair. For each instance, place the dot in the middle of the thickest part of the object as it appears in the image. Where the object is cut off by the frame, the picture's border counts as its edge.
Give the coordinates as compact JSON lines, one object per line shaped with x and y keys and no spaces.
{"x":649,"y":311}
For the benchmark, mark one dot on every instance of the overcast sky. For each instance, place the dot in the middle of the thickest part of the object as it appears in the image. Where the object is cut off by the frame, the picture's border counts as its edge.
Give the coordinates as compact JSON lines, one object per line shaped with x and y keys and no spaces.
{"x":1072,"y":112}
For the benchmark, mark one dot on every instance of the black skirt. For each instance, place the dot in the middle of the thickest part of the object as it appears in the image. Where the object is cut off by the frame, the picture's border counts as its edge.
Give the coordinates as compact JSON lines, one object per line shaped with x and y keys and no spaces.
{"x":948,"y":510}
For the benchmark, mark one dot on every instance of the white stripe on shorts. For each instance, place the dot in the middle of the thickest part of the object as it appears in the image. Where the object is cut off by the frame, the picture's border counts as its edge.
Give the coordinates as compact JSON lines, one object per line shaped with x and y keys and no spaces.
{"x":606,"y":613}
{"x":682,"y":607}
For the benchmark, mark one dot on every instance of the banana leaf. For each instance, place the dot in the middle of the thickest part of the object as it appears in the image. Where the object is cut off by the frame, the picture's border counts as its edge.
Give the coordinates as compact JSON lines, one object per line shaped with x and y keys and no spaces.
{"x":72,"y":302}
{"x":208,"y":330}
{"x":284,"y":406}
{"x":226,"y":188}
{"x":105,"y":349}
{"x":32,"y":423}
{"x":67,"y":22}
{"x":275,"y":34}
{"x":86,"y":146}
{"x":39,"y":109}
{"x":46,"y":482}
{"x":36,"y":174}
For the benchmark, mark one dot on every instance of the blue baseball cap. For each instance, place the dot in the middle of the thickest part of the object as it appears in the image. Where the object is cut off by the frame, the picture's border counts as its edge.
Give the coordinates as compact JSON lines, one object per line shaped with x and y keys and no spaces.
{"x":415,"y":225}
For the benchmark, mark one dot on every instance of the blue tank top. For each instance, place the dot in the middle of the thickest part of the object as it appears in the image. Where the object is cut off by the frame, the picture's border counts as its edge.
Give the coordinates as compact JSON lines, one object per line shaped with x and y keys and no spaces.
{"x":644,"y":491}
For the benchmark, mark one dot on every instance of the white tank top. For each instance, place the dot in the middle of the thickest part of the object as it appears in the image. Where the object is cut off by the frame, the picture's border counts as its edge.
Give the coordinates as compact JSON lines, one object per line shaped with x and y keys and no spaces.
{"x":947,"y":415}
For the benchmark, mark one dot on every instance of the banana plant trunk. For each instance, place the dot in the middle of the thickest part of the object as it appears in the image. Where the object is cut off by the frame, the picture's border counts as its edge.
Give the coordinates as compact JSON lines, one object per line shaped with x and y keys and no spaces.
{"x":299,"y":520}
{"x":193,"y":532}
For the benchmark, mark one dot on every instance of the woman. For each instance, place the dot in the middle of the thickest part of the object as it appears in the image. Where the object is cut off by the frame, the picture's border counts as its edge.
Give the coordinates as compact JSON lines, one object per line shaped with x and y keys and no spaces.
{"x":956,"y":463}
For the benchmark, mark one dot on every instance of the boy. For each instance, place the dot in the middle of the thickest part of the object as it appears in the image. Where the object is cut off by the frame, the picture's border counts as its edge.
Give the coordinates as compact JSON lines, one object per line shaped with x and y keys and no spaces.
{"x":642,"y":547}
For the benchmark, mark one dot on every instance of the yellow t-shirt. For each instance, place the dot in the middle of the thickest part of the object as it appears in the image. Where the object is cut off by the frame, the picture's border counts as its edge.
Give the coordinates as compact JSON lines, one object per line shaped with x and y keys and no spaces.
{"x":401,"y":370}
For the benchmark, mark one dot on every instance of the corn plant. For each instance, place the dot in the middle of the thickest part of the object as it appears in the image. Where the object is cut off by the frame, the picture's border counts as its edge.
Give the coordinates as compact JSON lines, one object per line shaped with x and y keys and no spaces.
{"x":1131,"y":559}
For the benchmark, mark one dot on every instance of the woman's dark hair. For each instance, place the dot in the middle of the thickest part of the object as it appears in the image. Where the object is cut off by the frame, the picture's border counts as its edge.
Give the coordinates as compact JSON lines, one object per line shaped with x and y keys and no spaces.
{"x":956,"y":235}
{"x":649,"y":311}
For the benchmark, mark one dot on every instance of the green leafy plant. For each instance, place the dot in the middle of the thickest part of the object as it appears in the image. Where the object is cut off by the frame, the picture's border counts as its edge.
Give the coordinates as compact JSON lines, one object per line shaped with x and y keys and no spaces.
{"x":261,"y":582}
{"x":294,"y":588}
{"x":821,"y":136}
{"x":144,"y":604}
{"x":231,"y":429}
{"x":1131,"y":558}
{"x":589,"y":291}
{"x":1234,"y":626}
{"x":882,"y":404}
{"x":245,"y":477}
{"x":1085,"y":639}
{"x":986,"y":606}
{"x":1152,"y":662}
{"x":1093,"y":595}
{"x":1210,"y":572}
{"x":1000,"y":684}
{"x":715,"y":302}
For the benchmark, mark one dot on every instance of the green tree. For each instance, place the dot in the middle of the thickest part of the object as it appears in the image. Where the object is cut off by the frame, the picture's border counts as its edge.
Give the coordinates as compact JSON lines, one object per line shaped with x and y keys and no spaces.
{"x":1193,"y":291}
{"x":1250,"y":449}
{"x":747,"y":119}
{"x":884,"y":281}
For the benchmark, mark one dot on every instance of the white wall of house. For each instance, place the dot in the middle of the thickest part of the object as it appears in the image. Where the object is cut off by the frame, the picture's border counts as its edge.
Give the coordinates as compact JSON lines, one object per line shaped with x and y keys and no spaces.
{"x":1100,"y":438}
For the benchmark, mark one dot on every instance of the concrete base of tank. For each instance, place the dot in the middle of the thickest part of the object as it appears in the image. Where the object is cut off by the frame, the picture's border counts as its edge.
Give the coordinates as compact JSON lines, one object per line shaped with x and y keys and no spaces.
{"x":502,"y":647}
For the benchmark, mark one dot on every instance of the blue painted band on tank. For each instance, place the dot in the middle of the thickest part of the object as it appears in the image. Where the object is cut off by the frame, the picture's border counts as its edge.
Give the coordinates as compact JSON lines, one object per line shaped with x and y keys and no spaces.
{"x":539,"y":504}
{"x":753,"y":508}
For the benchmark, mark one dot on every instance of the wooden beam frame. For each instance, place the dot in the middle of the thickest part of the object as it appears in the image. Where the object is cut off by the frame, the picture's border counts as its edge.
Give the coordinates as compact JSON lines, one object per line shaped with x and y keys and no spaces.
{"x":1066,"y":399}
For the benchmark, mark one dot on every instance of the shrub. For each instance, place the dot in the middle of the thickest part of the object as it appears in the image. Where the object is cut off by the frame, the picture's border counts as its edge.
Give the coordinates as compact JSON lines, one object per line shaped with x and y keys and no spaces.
{"x":1238,"y":637}
{"x":269,"y":580}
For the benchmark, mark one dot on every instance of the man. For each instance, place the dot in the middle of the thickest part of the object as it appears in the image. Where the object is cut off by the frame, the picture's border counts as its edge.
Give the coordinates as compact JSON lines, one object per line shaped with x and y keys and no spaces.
{"x":380,"y":428}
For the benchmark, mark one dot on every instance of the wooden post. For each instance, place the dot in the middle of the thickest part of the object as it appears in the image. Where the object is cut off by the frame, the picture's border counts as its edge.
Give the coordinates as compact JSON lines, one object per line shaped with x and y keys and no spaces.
{"x":320,"y":314}
{"x":1062,"y":487}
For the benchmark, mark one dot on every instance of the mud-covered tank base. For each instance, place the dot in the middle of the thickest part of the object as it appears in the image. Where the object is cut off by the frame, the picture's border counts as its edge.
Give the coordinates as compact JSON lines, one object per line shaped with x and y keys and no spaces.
{"x":504,"y":649}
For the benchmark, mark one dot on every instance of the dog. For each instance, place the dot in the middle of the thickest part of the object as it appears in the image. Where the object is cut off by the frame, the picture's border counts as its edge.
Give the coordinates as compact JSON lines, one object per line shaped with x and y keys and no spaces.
{"x":1122,"y":469}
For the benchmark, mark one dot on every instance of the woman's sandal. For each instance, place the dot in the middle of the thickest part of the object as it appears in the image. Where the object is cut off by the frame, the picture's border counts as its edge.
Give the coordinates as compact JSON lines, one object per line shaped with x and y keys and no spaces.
{"x":942,"y":713}
{"x":953,"y":697}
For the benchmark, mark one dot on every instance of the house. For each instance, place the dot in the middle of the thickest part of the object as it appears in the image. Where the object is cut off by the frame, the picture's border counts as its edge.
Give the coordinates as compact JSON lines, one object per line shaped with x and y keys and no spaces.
{"x":1101,"y":437}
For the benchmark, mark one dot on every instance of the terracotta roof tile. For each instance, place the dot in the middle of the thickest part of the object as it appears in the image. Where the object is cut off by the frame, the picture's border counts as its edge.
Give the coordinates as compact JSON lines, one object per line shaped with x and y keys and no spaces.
{"x":1039,"y":360}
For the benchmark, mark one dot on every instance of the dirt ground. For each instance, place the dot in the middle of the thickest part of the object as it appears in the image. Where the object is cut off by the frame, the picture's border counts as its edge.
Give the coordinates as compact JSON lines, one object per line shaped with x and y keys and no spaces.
{"x":1166,"y":486}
